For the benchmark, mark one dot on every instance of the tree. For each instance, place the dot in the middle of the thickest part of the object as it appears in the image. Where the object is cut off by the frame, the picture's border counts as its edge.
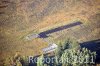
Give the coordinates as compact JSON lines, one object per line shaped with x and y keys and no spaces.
{"x":73,"y":57}
{"x":24,"y":61}
{"x":66,"y":44}
{"x":74,"y":44}
{"x":58,"y":51}
{"x":40,"y":61}
{"x":70,"y":43}
{"x":69,"y":53}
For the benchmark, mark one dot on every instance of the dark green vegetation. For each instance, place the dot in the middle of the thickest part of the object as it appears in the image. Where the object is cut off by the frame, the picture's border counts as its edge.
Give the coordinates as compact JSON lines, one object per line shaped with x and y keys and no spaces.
{"x":68,"y":53}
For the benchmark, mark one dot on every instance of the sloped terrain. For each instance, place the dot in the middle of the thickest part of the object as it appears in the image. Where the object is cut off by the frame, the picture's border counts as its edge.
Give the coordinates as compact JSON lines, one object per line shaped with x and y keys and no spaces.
{"x":21,"y":17}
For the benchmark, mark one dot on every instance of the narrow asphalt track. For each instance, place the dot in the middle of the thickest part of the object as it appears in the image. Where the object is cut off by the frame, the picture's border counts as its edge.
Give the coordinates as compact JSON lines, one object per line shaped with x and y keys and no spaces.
{"x":44,"y":34}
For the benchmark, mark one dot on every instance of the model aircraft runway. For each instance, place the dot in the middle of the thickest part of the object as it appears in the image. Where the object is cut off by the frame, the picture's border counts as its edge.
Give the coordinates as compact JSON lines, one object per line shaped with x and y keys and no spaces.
{"x":45,"y":33}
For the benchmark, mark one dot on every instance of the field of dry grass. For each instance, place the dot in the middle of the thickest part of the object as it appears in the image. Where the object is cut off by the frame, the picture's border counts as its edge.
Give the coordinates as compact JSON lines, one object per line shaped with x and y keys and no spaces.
{"x":21,"y":17}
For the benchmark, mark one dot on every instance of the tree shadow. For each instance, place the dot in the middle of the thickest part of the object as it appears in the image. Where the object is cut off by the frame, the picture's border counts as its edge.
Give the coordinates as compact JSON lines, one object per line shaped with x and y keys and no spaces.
{"x":2,"y":13}
{"x":5,"y":1}
{"x":44,"y":34}
{"x":93,"y":45}
{"x":4,"y":6}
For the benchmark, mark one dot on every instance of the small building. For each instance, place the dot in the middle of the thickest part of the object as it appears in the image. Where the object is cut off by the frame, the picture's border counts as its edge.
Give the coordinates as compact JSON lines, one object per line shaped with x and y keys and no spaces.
{"x":50,"y":48}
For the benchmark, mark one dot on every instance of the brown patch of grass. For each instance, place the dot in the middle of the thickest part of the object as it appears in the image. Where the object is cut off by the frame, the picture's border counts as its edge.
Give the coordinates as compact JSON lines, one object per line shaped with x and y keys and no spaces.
{"x":22,"y":18}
